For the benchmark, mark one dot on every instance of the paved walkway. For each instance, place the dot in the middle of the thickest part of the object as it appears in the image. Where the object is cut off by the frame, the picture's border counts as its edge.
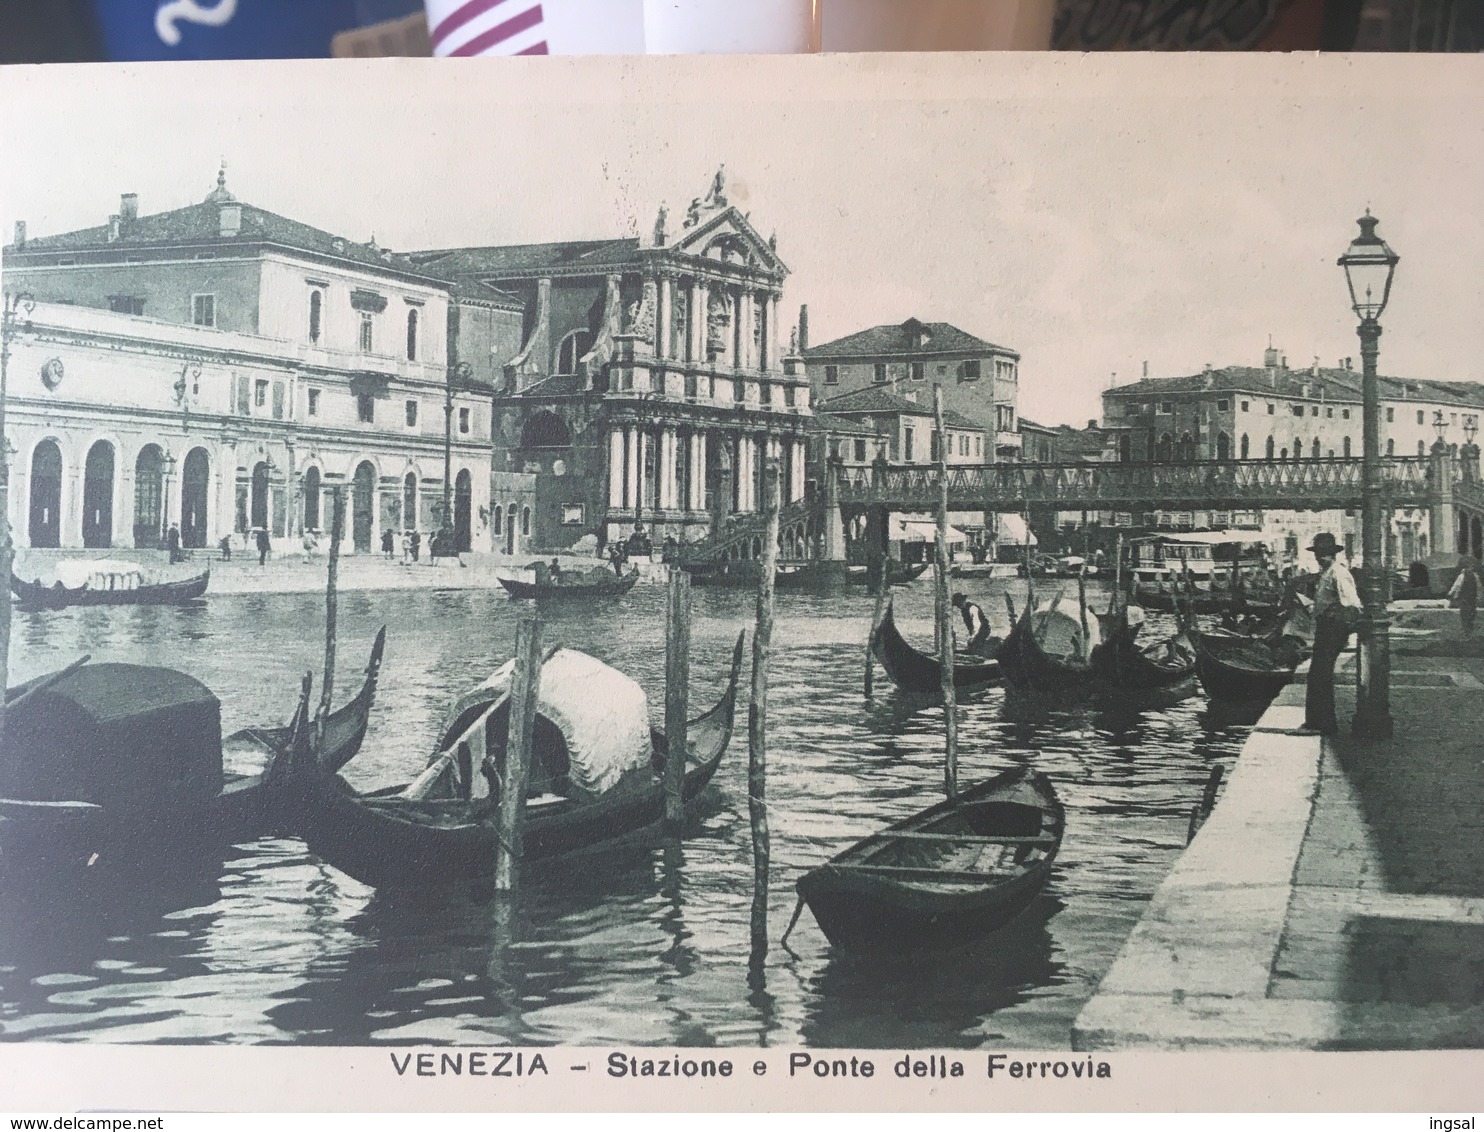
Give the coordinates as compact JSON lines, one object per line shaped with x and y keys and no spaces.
{"x":1335,"y":899}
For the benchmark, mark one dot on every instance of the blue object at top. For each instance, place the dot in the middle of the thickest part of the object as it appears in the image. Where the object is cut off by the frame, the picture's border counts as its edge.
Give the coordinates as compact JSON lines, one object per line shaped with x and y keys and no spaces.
{"x":235,"y":29}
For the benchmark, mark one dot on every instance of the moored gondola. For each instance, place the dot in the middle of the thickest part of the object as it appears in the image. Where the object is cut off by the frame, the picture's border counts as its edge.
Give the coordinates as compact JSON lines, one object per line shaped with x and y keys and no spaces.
{"x":826,"y":575}
{"x":1122,"y":662}
{"x":1050,"y":649}
{"x":104,"y":583}
{"x":125,"y":760}
{"x":918,"y":673}
{"x":956,"y":871}
{"x":403,"y":839}
{"x":598,"y":582}
{"x":1242,"y":669}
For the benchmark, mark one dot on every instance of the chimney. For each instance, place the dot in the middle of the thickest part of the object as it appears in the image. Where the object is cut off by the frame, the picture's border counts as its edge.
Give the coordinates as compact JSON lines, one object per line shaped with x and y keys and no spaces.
{"x":1146,"y":368}
{"x":20,"y":234}
{"x":1270,"y":356}
{"x":129,"y":207}
{"x":1092,"y":423}
{"x":1284,"y":363}
{"x":113,"y":228}
{"x":230,"y":217}
{"x":803,"y":328}
{"x":1314,"y":369}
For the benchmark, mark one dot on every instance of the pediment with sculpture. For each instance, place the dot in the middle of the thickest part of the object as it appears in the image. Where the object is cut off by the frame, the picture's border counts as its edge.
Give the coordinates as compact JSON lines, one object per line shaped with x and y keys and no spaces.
{"x":715,"y":228}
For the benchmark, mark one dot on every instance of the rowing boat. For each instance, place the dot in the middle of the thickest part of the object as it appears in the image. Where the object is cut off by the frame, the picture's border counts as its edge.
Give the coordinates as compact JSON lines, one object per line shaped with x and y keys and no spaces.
{"x":954,"y":872}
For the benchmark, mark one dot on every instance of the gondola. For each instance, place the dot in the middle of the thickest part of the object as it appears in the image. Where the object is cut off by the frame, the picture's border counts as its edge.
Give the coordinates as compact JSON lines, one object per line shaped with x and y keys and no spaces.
{"x":389,"y":840}
{"x":1202,"y":601}
{"x":591,"y":584}
{"x":1124,"y":663}
{"x":919,"y":673}
{"x":1030,"y":659}
{"x":36,"y":595}
{"x":1241,"y":669}
{"x":954,"y":872}
{"x":827,"y":575}
{"x":166,"y":790}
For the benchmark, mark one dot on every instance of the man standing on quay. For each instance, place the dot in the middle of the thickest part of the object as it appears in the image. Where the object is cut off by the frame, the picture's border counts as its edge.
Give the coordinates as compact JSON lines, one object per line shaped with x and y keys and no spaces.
{"x":1337,"y":612}
{"x":1465,"y":591}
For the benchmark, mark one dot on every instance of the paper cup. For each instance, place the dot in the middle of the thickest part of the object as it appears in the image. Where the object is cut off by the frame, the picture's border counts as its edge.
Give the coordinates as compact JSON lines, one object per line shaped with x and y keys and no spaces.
{"x":937,"y":25}
{"x":620,"y":27}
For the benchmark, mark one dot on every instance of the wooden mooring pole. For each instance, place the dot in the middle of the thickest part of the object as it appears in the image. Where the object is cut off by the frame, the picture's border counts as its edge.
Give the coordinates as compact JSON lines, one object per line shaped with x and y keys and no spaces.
{"x":945,"y":607}
{"x":327,"y":682}
{"x":525,"y":688}
{"x":881,"y":588}
{"x":757,"y":719}
{"x":677,"y":694}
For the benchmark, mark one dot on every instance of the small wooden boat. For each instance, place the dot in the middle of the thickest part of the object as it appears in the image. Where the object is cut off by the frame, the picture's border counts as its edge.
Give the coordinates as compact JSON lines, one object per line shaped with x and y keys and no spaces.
{"x":598,"y":582}
{"x":1241,"y":669}
{"x":1050,"y":649}
{"x":150,"y":776}
{"x":826,"y":575}
{"x":1122,"y":662}
{"x":105,"y":583}
{"x":1158,"y":600}
{"x":954,"y":872}
{"x":387,"y":839}
{"x":918,"y":672}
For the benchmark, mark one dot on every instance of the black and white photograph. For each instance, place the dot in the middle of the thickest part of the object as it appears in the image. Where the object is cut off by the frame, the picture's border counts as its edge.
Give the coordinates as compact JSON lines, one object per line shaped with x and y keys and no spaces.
{"x":954,"y":552}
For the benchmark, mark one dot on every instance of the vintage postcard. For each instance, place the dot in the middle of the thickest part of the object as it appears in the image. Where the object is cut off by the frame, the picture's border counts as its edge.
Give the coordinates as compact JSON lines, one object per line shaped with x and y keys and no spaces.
{"x":880,"y":581}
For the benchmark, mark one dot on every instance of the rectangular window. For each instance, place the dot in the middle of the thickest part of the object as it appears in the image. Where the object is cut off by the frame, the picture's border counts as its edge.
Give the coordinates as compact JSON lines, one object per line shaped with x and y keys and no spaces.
{"x":1167,"y":406}
{"x":1005,"y":418}
{"x":1270,"y":408}
{"x":203,"y":310}
{"x":907,"y":445}
{"x":126,"y":304}
{"x":879,"y":373}
{"x":242,"y":395}
{"x":942,"y":371}
{"x":368,"y":320}
{"x":1131,"y":410}
{"x":1419,"y":416}
{"x":1244,"y":406}
{"x":573,"y":515}
{"x":933,"y":446}
{"x":1314,"y":410}
{"x":919,"y":371}
{"x":260,"y":393}
{"x":411,"y":414}
{"x":971,"y":370}
{"x":832,"y":375}
{"x":365,"y":408}
{"x":314,"y":402}
{"x":1329,"y":411}
{"x":1223,"y":406}
{"x":1345,"y":413}
{"x":278,"y":400}
{"x":464,"y":421}
{"x":1298,"y":410}
{"x":860,"y":451}
{"x":1391,"y":414}
{"x":978,"y":441}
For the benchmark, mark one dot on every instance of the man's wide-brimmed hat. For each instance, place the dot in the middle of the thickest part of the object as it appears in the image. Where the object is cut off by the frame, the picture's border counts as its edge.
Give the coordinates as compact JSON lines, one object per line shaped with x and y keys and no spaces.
{"x":1324,"y":544}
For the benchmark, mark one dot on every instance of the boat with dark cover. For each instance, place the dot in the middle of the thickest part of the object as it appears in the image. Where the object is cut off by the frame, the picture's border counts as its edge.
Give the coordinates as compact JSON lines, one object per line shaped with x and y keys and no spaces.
{"x":122,"y":586}
{"x":597,"y":582}
{"x":1243,"y":669}
{"x":438,"y":831}
{"x":1050,"y":648}
{"x":956,"y":871}
{"x":1123,"y":662}
{"x":919,"y":673}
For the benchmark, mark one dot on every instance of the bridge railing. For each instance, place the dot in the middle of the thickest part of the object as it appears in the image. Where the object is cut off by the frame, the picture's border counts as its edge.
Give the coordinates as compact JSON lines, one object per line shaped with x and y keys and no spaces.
{"x":1216,"y":483}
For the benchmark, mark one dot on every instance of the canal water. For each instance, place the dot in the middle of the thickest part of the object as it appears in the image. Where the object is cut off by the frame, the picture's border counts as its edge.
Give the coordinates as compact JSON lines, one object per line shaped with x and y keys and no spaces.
{"x":265,"y":944}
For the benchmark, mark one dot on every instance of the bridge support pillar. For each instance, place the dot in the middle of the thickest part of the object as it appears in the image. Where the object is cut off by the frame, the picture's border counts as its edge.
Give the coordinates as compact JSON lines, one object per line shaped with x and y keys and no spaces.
{"x":832,"y":533}
{"x":878,"y":533}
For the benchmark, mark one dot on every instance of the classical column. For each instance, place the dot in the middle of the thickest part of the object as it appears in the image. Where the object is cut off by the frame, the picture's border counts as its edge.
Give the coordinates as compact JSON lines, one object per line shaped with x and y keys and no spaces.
{"x":800,"y":464}
{"x":635,"y":457}
{"x":697,"y":482}
{"x":745,"y":316}
{"x":739,"y":474}
{"x":666,"y":316}
{"x":699,"y":295}
{"x":774,"y":355}
{"x":667,"y":470}
{"x":615,"y":468}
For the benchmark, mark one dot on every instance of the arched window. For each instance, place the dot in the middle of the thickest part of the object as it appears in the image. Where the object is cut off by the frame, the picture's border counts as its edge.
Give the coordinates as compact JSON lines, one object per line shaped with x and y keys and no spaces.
{"x":1270,"y":448}
{"x":1283,"y":455}
{"x":1422,"y":448}
{"x":316,"y":314}
{"x":525,"y":522}
{"x":1223,"y":446}
{"x":497,"y":520}
{"x":1125,"y":448}
{"x":1389,"y":446}
{"x":1165,"y":449}
{"x":149,"y":496}
{"x":46,"y":494}
{"x":1298,"y":450}
{"x":1314,"y":449}
{"x":412,"y":335}
{"x":574,"y":346}
{"x":1245,"y":446}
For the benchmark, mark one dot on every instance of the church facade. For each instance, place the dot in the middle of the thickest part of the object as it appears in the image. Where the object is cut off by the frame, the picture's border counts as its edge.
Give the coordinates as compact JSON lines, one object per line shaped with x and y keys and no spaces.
{"x":639,"y":381}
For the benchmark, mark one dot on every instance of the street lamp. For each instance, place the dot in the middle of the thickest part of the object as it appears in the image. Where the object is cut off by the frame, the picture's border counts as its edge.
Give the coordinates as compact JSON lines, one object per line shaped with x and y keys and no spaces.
{"x":1439,"y":425}
{"x":1369,"y":267}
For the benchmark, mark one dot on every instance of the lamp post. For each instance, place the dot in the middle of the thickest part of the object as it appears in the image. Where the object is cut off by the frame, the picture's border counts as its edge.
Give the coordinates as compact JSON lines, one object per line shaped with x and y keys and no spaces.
{"x":463,"y":371}
{"x":1469,"y":453}
{"x":1369,"y":267}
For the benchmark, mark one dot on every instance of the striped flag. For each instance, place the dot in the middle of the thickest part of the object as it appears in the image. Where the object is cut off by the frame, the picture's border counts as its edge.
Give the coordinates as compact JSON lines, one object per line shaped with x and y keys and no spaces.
{"x":487,"y":27}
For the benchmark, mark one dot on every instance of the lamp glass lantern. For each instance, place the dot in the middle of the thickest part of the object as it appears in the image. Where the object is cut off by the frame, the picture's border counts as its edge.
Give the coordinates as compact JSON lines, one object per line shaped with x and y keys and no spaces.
{"x":1439,"y":425}
{"x":1369,"y":267}
{"x":1470,"y":427}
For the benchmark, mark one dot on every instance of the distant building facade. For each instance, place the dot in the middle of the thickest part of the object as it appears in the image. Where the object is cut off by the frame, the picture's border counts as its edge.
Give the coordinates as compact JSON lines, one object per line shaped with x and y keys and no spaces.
{"x":980,"y":380}
{"x":222,"y":368}
{"x":637,"y":380}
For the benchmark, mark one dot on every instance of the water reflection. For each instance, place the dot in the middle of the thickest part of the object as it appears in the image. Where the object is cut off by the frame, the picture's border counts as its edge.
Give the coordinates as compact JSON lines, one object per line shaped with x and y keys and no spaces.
{"x":647,"y":947}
